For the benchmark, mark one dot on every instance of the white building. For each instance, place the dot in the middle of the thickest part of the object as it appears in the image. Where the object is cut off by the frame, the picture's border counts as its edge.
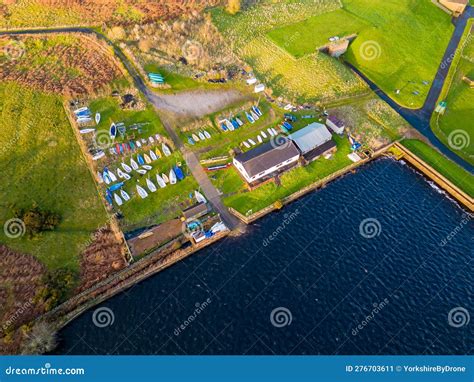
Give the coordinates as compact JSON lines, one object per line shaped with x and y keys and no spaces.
{"x":335,"y":124}
{"x":267,"y":159}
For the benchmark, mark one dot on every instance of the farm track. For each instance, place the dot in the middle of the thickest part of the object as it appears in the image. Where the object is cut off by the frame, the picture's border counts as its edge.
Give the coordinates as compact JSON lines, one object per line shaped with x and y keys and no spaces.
{"x":161,"y":105}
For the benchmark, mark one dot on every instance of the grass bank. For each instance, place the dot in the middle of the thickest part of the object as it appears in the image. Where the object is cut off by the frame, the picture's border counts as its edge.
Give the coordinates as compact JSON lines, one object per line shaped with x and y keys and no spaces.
{"x":41,"y":164}
{"x":447,"y":168}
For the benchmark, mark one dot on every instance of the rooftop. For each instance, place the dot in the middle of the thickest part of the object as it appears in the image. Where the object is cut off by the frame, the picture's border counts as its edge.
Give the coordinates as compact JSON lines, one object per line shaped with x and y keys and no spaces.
{"x":311,"y":136}
{"x":336,"y":121}
{"x":267,"y":156}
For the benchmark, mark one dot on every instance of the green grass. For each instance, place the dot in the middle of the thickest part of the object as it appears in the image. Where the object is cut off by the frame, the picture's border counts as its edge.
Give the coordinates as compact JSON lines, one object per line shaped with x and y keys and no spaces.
{"x":399,"y":45}
{"x":306,"y":36}
{"x":457,"y":121}
{"x":314,"y":77}
{"x":162,"y":205}
{"x":41,"y":163}
{"x":292,"y":181}
{"x":165,"y":203}
{"x":443,"y":165}
{"x":177,"y":81}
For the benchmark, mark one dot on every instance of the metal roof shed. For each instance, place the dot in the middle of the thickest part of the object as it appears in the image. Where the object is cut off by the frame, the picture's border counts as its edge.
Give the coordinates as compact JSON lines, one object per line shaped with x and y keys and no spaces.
{"x":311,"y":137}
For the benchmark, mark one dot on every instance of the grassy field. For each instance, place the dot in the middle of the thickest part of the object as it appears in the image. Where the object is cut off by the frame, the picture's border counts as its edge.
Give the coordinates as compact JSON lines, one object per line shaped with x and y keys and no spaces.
{"x":456,"y":127}
{"x":292,"y":181}
{"x":399,"y":45}
{"x":41,"y":164}
{"x":165,"y":203}
{"x":311,"y":78}
{"x":449,"y":169}
{"x":177,"y":82}
{"x":306,"y":36}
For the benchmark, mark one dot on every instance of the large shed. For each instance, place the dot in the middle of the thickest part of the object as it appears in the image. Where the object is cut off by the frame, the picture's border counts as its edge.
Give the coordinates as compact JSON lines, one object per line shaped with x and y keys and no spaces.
{"x":311,"y":137}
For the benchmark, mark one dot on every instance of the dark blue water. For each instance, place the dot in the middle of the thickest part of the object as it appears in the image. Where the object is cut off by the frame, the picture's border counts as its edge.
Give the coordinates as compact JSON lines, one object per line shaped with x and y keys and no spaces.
{"x":322,"y":275}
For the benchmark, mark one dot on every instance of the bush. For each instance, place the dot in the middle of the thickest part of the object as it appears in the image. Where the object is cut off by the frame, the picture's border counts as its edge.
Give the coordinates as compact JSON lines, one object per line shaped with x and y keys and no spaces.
{"x":37,"y":221}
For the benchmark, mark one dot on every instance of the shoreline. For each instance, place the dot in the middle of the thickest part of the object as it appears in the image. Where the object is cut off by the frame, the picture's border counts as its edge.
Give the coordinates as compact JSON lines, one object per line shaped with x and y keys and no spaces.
{"x":158,"y":261}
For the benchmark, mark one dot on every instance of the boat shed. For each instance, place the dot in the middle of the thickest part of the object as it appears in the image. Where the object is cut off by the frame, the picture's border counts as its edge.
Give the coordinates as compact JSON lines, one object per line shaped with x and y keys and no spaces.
{"x":266,"y":159}
{"x":313,"y":141}
{"x":195,"y":211}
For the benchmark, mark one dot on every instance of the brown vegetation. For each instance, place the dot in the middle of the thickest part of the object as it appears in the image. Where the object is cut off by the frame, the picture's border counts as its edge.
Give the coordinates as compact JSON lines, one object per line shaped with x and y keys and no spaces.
{"x":100,"y":259}
{"x":69,"y":65}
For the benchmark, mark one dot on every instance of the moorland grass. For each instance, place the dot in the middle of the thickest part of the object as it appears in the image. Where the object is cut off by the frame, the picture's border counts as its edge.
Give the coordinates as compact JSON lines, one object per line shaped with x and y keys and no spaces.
{"x":41,"y":164}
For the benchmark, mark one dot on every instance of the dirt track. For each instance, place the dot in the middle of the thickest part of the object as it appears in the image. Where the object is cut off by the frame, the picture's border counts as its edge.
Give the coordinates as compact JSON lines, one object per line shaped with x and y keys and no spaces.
{"x":196,"y":103}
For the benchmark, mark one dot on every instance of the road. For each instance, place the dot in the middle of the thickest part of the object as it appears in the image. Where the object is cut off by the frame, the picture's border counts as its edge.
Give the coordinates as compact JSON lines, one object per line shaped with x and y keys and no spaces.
{"x":420,"y":118}
{"x":191,"y":159}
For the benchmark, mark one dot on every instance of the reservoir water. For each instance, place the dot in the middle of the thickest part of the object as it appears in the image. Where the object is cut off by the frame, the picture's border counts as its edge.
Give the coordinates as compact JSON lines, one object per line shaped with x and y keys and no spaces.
{"x":378,"y":262}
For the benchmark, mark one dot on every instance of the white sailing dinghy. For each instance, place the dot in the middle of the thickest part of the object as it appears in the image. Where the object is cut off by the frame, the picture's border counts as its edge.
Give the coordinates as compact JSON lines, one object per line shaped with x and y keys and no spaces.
{"x":201,"y":136}
{"x":262,"y":133}
{"x":200,"y":197}
{"x":165,"y":178}
{"x":172,"y":177}
{"x":270,"y":132}
{"x":252,"y":142}
{"x":137,"y":142}
{"x":147,"y":167}
{"x":126,"y":167}
{"x":246,"y":144}
{"x":207,"y":135}
{"x":97,"y":118}
{"x":141,"y":191}
{"x":120,"y":173}
{"x":86,"y":131}
{"x":274,"y":131}
{"x":259,"y":139}
{"x":151,"y":140}
{"x":141,"y":171}
{"x":151,"y":186}
{"x":166,"y":150}
{"x":134,"y":164}
{"x":195,"y":137}
{"x":147,"y":158}
{"x":160,"y":181}
{"x":112,"y":176}
{"x":125,"y":195}
{"x":153,"y":155}
{"x":118,"y":200}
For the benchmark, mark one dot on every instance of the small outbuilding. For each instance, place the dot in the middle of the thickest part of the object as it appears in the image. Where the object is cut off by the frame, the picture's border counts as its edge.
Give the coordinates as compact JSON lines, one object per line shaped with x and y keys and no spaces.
{"x":335,"y":124}
{"x":195,"y":211}
{"x":338,"y":48}
{"x":456,"y":7}
{"x":266,"y":160}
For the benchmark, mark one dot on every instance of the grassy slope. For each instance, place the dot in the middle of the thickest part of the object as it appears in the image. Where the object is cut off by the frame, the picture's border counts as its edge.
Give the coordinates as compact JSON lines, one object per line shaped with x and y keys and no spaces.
{"x":40,"y":162}
{"x":292,"y":181}
{"x":315,"y":77}
{"x":176,"y":81}
{"x":460,"y":98}
{"x":449,"y":169}
{"x":304,"y":37}
{"x":409,"y":39}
